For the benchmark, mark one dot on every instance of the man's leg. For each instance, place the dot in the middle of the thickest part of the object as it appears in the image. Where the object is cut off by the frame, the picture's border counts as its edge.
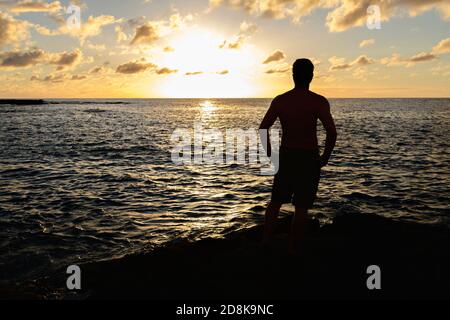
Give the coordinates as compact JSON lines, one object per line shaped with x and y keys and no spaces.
{"x":298,"y":228}
{"x":272,"y":211}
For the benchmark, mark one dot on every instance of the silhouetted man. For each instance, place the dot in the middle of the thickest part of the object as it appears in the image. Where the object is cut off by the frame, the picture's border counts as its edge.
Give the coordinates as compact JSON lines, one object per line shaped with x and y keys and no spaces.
{"x":298,"y":175}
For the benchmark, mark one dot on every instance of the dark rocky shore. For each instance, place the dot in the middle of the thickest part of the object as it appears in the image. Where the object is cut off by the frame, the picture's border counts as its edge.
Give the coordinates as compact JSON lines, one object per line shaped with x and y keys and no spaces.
{"x":414,"y":261}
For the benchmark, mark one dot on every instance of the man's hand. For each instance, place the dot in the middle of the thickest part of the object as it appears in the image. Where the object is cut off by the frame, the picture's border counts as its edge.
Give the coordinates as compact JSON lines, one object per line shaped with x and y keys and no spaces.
{"x":327,"y":120}
{"x":267,"y":122}
{"x":323,"y":161}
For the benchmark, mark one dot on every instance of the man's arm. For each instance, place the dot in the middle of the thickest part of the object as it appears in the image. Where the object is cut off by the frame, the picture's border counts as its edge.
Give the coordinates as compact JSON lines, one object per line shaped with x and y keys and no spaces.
{"x":328,"y":123}
{"x":268,"y":120}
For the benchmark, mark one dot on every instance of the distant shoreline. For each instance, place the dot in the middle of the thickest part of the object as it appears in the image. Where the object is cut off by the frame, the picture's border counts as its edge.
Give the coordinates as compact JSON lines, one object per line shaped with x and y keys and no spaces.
{"x":22,"y":102}
{"x":50,"y":100}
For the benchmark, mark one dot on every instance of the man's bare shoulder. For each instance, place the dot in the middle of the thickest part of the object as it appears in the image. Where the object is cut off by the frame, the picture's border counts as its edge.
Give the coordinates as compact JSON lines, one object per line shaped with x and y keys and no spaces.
{"x":321,"y":100}
{"x":284,"y":95}
{"x":288,"y":96}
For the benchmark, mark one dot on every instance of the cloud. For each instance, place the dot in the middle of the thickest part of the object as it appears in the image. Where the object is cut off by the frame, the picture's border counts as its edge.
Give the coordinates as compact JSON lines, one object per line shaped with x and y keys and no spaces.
{"x":362,"y":73}
{"x":340,"y":64}
{"x":246,"y":30}
{"x":133,"y":67}
{"x":66,"y":60}
{"x":351,"y":13}
{"x":168,"y":49}
{"x":101,"y":69}
{"x":275,"y":56}
{"x":12,"y":30}
{"x":397,"y":60}
{"x":362,"y":61}
{"x":79,"y":3}
{"x":315,"y":61}
{"x":78,"y":77}
{"x":277,"y":70}
{"x":442,"y":47}
{"x":120,"y":34}
{"x":36,"y":6}
{"x":366,"y":43}
{"x":146,"y":34}
{"x":93,"y":26}
{"x":95,"y":47}
{"x":266,"y":8}
{"x":421,"y":57}
{"x":32,"y":57}
{"x":139,"y":66}
{"x":223,"y":72}
{"x":18,"y":59}
{"x":394,"y":60}
{"x":58,"y":78}
{"x":441,"y":70}
{"x":97,"y":70}
{"x":342,"y":14}
{"x":165,"y":71}
{"x":235,"y":44}
{"x":195,"y":73}
{"x":177,"y":21}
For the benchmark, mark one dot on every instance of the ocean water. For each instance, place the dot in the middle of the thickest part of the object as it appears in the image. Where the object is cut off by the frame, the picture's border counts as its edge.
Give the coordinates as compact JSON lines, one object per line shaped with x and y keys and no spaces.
{"x":93,"y":179}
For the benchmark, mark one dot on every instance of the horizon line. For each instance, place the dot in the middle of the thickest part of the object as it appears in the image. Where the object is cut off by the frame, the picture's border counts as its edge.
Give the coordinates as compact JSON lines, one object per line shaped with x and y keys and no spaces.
{"x":209,"y":98}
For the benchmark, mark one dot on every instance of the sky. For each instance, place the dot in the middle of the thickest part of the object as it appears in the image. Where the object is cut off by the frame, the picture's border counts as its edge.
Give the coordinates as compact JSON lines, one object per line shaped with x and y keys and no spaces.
{"x":222,"y":48}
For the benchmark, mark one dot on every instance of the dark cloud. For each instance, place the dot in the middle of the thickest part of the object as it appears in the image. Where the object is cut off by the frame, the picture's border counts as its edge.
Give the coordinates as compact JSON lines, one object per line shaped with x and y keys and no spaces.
{"x":96,"y":70}
{"x":146,"y":34}
{"x":194,"y":73}
{"x":32,"y":57}
{"x":423,"y":56}
{"x":165,"y":71}
{"x":142,"y":65}
{"x":272,"y":71}
{"x":67,"y":59}
{"x":22,"y":59}
{"x":78,"y":77}
{"x":135,"y":67}
{"x":57,"y":78}
{"x":275,"y":56}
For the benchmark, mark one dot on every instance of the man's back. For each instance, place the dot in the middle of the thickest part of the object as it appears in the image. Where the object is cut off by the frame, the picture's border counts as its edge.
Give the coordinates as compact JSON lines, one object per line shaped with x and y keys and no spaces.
{"x":298,"y":175}
{"x":298,"y":111}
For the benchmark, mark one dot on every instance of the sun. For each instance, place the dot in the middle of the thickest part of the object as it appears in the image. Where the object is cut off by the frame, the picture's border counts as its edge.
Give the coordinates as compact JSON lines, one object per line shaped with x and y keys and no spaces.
{"x":205,"y":70}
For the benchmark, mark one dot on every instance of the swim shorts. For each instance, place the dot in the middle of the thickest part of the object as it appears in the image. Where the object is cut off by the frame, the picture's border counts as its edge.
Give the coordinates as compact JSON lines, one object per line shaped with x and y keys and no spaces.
{"x":297,"y":179}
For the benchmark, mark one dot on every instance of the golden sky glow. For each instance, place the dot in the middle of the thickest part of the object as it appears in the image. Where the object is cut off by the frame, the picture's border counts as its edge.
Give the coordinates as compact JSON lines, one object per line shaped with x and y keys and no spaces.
{"x":206,"y":70}
{"x":211,"y":49}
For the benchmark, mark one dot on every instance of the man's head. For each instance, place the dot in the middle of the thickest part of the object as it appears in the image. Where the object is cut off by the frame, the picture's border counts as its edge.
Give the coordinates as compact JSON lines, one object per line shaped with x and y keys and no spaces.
{"x":303,"y":72}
